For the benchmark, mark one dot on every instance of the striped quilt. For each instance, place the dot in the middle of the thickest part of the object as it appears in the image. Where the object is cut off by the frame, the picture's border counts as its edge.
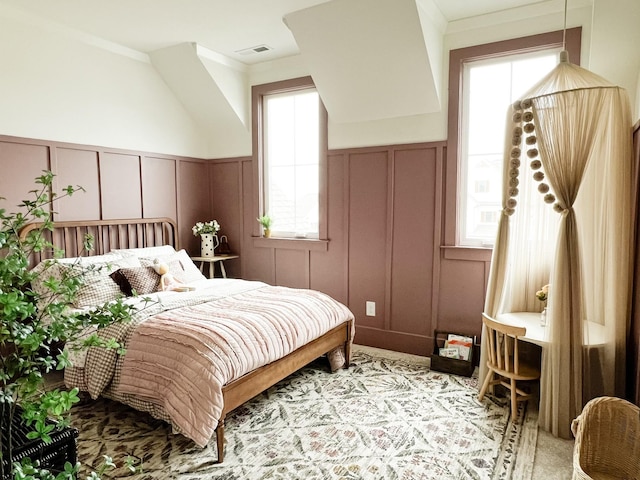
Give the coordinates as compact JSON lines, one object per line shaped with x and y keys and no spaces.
{"x":179,"y":359}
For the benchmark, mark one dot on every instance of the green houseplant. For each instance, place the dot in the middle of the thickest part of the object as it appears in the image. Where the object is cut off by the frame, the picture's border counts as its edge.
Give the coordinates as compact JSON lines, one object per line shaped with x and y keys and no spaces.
{"x":266,"y":221}
{"x":31,"y":324}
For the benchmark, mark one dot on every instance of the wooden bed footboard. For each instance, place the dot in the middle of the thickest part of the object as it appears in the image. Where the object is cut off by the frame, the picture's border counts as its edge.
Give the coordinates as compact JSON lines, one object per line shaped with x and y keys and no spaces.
{"x":257,"y":381}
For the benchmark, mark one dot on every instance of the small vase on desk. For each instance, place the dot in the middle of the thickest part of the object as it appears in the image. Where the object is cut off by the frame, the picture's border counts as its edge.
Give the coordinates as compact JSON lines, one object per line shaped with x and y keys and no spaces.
{"x":543,"y":317}
{"x":208,"y":243}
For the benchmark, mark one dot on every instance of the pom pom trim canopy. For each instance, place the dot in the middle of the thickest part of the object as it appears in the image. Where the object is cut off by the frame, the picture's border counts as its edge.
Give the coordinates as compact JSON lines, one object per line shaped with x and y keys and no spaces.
{"x":572,"y":132}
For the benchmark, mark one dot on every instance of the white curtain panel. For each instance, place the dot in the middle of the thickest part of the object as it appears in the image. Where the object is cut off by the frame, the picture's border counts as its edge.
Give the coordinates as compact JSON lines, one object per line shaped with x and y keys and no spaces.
{"x":569,"y":225}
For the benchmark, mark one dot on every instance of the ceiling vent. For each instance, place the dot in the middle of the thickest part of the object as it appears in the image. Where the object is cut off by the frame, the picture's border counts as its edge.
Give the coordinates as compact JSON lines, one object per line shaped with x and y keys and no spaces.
{"x":253,"y":50}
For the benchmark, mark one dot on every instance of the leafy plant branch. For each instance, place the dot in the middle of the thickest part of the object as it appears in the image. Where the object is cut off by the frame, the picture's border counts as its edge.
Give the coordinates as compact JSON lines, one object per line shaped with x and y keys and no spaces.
{"x":34,"y":324}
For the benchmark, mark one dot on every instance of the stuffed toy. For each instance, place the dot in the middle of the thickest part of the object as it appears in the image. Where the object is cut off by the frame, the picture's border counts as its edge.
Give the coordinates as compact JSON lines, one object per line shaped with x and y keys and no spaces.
{"x":167,"y":281}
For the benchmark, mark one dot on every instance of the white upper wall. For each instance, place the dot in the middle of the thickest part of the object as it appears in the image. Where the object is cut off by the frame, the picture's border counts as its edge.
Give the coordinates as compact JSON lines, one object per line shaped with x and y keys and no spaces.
{"x":73,"y":88}
{"x":614,"y":45}
{"x":67,"y":86}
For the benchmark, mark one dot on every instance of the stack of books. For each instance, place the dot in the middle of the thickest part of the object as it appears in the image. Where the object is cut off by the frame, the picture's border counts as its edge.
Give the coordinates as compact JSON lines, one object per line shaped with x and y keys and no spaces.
{"x":457,"y":346}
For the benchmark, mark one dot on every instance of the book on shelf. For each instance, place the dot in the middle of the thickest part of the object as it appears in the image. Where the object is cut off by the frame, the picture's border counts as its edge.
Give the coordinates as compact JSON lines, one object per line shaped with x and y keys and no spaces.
{"x":462,"y":343}
{"x":451,"y":352}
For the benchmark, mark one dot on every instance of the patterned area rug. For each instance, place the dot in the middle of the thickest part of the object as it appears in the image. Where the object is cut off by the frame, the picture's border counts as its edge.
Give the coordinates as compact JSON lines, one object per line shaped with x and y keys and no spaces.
{"x":386,"y":417}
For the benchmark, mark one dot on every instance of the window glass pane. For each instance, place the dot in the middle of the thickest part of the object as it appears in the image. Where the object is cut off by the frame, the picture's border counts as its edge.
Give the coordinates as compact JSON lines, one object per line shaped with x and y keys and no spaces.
{"x":307,"y":199}
{"x":489,"y":87}
{"x":292,"y":162}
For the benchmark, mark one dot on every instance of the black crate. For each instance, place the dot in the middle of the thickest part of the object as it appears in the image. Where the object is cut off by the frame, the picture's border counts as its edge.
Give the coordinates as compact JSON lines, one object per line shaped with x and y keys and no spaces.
{"x":51,"y":456}
{"x":452,"y":365}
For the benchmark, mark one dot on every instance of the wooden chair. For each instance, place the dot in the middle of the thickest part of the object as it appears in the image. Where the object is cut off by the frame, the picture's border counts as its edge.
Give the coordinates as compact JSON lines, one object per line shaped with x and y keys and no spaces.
{"x":503,"y":362}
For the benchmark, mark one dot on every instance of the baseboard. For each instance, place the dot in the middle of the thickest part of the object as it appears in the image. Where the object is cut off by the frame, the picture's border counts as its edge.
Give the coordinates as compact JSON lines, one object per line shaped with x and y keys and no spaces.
{"x":395,"y":341}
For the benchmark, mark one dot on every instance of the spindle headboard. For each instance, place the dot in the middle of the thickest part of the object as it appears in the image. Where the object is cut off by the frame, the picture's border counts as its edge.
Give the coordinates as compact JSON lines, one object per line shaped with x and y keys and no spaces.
{"x":107,"y":234}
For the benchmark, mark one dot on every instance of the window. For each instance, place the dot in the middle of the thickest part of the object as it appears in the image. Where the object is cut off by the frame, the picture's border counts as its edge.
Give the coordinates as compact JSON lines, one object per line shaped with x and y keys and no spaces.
{"x":483,"y":186}
{"x":489,"y":87}
{"x":291,"y":157}
{"x":489,"y":217}
{"x":484,"y":81}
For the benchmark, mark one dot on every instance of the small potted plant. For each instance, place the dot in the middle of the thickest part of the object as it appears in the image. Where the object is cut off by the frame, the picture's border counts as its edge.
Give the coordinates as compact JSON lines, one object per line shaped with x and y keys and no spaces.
{"x":266,"y":221}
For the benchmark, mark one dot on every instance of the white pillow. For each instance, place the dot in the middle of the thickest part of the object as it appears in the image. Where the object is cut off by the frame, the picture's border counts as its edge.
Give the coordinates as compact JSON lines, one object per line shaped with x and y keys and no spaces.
{"x":147,"y":251}
{"x":191,"y":272}
{"x":92,"y":260}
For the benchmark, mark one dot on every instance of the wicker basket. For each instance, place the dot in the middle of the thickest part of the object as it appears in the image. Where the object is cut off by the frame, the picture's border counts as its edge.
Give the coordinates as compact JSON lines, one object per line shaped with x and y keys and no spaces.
{"x":607,"y":444}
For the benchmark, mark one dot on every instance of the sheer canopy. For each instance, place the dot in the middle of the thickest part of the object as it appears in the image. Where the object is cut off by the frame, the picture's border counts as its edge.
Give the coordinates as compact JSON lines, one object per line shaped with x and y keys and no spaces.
{"x":567,"y":222}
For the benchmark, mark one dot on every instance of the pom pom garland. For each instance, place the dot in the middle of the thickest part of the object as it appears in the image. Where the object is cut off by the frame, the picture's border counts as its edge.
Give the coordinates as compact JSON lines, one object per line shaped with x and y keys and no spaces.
{"x":523,"y":118}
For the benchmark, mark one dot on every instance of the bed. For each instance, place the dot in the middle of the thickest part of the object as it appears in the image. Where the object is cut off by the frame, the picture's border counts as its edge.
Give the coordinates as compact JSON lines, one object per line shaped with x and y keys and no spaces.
{"x":191,"y":357}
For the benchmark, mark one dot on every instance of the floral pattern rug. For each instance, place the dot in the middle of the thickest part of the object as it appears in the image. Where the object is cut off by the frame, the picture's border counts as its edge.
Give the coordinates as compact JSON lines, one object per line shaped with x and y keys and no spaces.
{"x":386,"y":417}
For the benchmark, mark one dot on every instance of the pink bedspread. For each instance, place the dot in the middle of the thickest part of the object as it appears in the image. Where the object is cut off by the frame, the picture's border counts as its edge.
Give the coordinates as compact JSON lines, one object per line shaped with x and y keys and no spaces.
{"x":180,"y":359}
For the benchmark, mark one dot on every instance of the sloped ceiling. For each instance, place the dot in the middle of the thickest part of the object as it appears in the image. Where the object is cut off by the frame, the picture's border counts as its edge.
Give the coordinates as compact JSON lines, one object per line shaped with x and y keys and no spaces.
{"x":209,"y":86}
{"x":369,"y":59}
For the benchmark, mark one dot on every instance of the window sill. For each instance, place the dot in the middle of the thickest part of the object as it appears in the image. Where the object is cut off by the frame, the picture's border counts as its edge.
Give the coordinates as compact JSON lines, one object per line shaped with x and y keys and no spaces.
{"x":476,"y":254}
{"x":313,"y":245}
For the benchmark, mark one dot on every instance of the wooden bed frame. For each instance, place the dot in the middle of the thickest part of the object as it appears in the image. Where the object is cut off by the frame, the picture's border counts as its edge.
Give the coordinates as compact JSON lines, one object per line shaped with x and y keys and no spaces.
{"x":135,"y":233}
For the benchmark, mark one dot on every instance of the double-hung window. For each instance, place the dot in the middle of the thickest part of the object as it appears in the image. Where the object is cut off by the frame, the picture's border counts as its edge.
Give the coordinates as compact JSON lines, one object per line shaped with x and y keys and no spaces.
{"x":490,"y":86}
{"x":486,"y":80}
{"x":290,"y":151}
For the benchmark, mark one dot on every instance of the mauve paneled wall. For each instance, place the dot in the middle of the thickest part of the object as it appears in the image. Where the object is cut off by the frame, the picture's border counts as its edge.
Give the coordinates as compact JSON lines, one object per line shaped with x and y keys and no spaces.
{"x":385,"y":224}
{"x":118,"y":184}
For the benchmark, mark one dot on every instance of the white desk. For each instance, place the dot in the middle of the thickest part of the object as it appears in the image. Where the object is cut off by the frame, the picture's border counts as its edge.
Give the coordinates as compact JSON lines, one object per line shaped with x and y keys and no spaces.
{"x":594,"y":334}
{"x":212,"y":260}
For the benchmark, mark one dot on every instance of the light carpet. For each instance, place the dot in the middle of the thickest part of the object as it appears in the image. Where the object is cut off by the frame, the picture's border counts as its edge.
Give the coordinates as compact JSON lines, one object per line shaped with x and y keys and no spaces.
{"x":386,"y":417}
